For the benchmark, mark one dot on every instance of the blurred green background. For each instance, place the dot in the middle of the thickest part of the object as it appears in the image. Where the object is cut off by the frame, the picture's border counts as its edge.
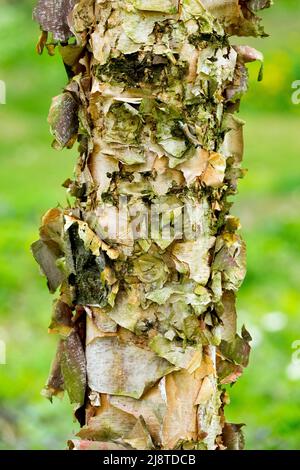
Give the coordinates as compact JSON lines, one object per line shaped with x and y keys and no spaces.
{"x":267,"y":397}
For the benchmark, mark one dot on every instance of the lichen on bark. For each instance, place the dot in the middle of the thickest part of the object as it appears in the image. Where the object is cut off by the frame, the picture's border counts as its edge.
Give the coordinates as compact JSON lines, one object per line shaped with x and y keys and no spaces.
{"x":146,"y":311}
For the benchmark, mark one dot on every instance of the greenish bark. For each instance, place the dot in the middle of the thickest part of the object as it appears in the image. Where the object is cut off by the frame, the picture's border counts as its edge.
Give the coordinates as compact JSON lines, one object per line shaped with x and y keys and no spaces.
{"x":148,"y":259}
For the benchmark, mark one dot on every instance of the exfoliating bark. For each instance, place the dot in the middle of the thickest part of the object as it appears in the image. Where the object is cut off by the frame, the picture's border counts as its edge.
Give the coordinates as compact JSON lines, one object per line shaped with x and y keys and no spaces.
{"x":147,"y":258}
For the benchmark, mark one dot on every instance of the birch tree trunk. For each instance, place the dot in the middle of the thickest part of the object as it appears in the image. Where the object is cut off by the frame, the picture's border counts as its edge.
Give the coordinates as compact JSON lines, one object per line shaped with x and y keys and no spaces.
{"x":147,"y":258}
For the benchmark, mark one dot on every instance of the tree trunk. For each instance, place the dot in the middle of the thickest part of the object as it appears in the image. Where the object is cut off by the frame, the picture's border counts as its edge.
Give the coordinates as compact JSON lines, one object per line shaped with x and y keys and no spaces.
{"x":147,"y":257}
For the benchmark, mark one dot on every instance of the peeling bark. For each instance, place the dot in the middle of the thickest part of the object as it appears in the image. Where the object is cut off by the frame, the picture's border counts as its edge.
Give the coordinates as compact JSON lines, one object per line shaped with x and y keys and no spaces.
{"x":148,"y":259}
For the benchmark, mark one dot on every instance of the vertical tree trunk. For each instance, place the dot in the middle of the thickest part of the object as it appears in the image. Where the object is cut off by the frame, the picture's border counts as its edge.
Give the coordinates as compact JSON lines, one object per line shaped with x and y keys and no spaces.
{"x":147,"y":257}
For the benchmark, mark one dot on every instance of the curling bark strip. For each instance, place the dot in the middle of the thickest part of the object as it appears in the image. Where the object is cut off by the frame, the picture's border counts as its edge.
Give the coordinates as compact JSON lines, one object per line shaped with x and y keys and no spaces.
{"x":147,"y":322}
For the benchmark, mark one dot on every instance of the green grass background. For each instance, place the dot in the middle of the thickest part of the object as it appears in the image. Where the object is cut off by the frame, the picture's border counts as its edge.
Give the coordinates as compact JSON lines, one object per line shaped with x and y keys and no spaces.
{"x":267,"y":397}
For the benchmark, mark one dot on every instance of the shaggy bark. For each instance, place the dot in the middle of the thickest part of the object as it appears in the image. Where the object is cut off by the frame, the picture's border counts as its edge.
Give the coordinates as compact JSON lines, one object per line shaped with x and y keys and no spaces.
{"x":147,"y":259}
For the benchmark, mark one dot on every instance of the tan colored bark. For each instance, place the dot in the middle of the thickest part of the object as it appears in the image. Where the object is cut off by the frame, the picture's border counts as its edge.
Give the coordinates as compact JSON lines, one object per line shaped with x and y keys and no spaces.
{"x":147,"y":312}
